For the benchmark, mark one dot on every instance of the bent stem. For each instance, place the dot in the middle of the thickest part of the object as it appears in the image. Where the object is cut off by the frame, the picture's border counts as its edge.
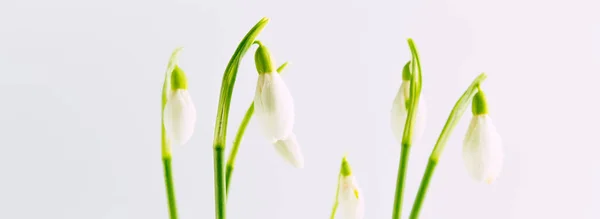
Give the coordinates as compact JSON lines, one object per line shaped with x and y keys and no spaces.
{"x":238,"y":138}
{"x":165,"y":144}
{"x":415,"y":93}
{"x":455,"y":115}
{"x":223,"y":114}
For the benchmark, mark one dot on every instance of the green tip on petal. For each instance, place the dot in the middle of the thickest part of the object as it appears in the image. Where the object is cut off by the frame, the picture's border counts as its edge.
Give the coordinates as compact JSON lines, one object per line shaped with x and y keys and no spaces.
{"x":479,"y":103}
{"x":178,"y":79}
{"x":346,"y":170}
{"x":282,"y":66}
{"x":356,"y":194}
{"x":406,"y":72}
{"x":263,"y":60}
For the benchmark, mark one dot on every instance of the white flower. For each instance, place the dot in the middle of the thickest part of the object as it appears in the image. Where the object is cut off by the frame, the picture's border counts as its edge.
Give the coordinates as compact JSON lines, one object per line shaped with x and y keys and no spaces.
{"x":482,"y":146}
{"x":400,"y":113}
{"x":350,"y":199}
{"x":274,"y":107}
{"x":179,"y":116}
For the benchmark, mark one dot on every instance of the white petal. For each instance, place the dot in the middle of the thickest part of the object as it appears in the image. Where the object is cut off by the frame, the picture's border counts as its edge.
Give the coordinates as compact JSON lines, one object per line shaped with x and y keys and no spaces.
{"x":274,"y":106}
{"x":290,"y":151}
{"x":179,"y":117}
{"x":400,"y":113}
{"x":482,"y":150}
{"x":350,"y":199}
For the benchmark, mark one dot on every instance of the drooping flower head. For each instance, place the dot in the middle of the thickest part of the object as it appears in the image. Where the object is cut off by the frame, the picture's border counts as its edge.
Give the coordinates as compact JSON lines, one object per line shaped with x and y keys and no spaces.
{"x":274,"y":108}
{"x":482,"y":146}
{"x":400,"y":109}
{"x":179,"y":113}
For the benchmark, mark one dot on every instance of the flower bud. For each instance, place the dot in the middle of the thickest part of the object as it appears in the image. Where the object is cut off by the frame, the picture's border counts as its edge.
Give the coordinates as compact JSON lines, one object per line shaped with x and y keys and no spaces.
{"x":350,"y":199}
{"x":482,"y":146}
{"x":274,"y":108}
{"x":180,"y":113}
{"x":400,"y":109}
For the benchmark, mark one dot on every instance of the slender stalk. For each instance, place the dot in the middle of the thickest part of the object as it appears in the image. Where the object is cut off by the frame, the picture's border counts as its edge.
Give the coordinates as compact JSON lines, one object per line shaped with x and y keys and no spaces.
{"x":223,"y":114}
{"x":455,"y":115}
{"x":337,"y":195}
{"x":399,"y":198}
{"x":423,"y":189}
{"x":164,"y":141}
{"x":170,"y":188}
{"x":166,"y":158}
{"x":220,"y":196}
{"x":415,"y":93}
{"x":238,"y":138}
{"x":236,"y":144}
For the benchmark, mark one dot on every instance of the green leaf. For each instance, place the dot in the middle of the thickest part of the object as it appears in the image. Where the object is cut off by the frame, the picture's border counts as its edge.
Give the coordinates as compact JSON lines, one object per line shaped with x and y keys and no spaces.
{"x":229,"y":81}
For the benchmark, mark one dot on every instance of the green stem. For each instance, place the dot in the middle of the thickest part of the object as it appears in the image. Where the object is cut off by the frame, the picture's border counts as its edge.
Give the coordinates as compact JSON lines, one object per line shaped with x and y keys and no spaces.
{"x":423,"y":189}
{"x":170,"y":187}
{"x":220,"y":195}
{"x":166,"y":158}
{"x":238,"y":138}
{"x":223,"y":114}
{"x":399,"y":198}
{"x":455,"y":115}
{"x":337,"y":195}
{"x":415,"y":93}
{"x":236,"y":144}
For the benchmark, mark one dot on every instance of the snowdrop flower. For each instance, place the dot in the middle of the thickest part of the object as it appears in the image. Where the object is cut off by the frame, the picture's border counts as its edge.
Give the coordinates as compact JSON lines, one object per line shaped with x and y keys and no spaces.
{"x":350,"y":199}
{"x":274,"y":108}
{"x":400,"y":109}
{"x":482,"y":146}
{"x":179,"y":113}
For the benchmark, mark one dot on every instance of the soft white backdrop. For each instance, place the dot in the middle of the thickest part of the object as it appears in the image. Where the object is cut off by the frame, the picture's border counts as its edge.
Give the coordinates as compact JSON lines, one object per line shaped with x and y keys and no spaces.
{"x":80,"y":92}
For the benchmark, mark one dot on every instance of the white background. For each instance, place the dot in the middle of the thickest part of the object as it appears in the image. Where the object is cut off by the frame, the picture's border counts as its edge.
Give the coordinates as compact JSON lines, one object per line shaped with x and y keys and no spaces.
{"x":80,"y":117}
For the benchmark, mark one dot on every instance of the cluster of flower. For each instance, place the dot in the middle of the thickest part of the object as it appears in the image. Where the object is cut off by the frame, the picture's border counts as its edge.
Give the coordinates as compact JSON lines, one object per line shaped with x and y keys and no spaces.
{"x":274,"y":108}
